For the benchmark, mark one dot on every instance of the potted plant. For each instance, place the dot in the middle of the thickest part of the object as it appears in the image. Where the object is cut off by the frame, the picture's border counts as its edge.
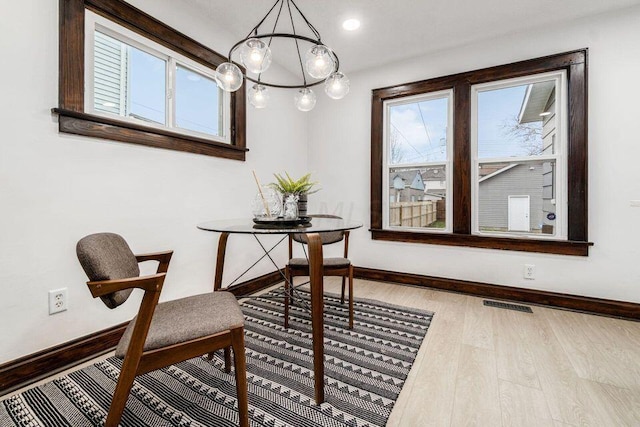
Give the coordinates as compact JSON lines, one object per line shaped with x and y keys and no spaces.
{"x":300,"y":188}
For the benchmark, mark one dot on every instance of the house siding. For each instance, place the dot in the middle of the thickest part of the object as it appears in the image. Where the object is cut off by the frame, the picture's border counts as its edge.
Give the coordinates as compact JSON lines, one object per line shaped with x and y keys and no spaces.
{"x":494,"y":195}
{"x":110,"y":75}
{"x":549,"y":141}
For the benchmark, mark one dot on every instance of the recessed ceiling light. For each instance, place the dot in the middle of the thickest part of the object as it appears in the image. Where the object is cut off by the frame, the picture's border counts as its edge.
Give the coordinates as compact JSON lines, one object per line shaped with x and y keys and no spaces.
{"x":546,"y":113}
{"x":351,"y":24}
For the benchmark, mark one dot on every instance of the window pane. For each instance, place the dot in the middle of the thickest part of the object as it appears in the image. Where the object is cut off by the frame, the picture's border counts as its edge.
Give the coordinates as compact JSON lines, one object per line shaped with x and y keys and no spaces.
{"x":418,"y":132}
{"x":197,"y":102}
{"x":417,"y":197}
{"x":517,"y":197}
{"x":518,"y":121}
{"x":128,"y":81}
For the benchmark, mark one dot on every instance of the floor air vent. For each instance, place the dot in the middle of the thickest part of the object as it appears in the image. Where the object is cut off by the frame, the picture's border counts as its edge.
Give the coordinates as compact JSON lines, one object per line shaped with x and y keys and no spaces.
{"x":508,"y":306}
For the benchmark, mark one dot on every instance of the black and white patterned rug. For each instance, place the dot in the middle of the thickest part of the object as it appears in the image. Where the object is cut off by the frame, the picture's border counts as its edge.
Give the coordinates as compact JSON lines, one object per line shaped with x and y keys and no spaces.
{"x":365,"y":369}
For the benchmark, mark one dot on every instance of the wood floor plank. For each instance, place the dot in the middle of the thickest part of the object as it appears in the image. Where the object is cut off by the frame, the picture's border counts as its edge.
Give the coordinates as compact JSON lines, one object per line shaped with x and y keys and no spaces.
{"x":592,"y":354}
{"x":523,"y":406}
{"x":478,"y":325}
{"x":476,"y":401}
{"x":620,"y":406}
{"x":430,"y":400}
{"x":569,"y":402}
{"x":514,"y":353}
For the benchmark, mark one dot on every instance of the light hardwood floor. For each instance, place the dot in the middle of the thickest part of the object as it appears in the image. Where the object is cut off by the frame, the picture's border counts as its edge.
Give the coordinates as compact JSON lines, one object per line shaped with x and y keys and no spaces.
{"x":487,"y":366}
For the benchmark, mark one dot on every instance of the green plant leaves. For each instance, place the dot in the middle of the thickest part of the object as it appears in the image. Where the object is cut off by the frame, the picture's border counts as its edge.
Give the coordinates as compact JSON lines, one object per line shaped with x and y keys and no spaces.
{"x":287,"y":185}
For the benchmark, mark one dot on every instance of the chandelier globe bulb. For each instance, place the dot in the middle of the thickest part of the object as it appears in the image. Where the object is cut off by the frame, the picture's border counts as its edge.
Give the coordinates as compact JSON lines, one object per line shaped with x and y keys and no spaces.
{"x":318,"y":62}
{"x":258,"y":96}
{"x":255,"y":55}
{"x":337,"y":85}
{"x":229,"y":77}
{"x":305,"y":99}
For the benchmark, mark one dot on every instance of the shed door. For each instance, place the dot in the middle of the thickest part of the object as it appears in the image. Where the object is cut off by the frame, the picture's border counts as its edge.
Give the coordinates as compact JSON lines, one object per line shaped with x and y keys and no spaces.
{"x":519,"y":213}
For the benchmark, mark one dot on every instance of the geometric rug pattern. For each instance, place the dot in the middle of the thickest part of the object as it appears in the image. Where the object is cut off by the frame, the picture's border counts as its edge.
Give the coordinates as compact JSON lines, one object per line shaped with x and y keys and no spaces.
{"x":365,"y":369}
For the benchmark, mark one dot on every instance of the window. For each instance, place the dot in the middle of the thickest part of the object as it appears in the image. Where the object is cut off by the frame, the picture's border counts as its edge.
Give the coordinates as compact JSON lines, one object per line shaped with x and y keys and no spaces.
{"x":128,"y":77}
{"x":417,"y":162}
{"x":503,"y":151}
{"x":520,"y":166}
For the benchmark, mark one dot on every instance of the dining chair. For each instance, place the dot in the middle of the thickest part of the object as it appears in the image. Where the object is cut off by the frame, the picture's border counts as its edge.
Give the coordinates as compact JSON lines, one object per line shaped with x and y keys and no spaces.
{"x":331,"y":266}
{"x":162,"y":333}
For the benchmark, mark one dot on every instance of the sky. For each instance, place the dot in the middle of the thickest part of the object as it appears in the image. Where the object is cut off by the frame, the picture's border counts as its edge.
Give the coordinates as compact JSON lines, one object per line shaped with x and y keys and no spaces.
{"x":421,"y":127}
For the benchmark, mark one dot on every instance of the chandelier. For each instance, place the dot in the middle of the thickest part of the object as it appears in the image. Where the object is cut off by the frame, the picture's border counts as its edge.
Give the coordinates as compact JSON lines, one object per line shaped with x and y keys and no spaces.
{"x":318,"y":65}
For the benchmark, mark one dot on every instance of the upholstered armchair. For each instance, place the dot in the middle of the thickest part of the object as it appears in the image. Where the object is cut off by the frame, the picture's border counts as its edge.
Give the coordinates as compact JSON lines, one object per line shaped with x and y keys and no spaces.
{"x":162,"y":333}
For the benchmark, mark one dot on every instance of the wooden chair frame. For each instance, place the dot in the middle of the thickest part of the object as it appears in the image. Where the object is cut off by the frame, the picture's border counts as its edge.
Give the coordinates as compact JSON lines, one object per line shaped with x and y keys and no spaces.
{"x":138,"y":362}
{"x":292,"y":271}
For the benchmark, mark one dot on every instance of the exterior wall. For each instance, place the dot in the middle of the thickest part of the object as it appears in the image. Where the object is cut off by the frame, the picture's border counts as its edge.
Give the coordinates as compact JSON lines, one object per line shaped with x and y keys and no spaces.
{"x":406,"y":195}
{"x":548,"y":143}
{"x":413,"y":190}
{"x":111,"y":61}
{"x":494,"y":196}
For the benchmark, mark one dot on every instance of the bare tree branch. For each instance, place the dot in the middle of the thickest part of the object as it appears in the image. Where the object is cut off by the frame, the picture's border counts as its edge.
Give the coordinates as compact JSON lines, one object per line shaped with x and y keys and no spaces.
{"x":397,"y":155}
{"x":528,"y":135}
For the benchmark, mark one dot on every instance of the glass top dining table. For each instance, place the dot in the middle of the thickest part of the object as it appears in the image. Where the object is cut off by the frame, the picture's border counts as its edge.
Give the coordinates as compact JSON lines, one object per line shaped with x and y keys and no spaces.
{"x":247,"y":226}
{"x":312,"y":230}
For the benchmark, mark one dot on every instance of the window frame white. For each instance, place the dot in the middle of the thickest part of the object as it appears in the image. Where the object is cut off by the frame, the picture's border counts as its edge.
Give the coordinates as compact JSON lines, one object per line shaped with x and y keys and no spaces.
{"x":448,"y":162}
{"x":95,"y":22}
{"x":559,"y":156}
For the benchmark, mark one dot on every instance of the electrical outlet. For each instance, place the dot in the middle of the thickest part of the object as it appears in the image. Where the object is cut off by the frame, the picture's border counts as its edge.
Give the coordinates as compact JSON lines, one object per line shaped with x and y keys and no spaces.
{"x":58,"y":300}
{"x":529,"y":271}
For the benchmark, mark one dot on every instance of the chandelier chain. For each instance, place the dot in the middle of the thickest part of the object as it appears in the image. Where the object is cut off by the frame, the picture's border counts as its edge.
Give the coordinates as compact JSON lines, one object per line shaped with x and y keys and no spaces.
{"x":293,"y":28}
{"x":313,"y":29}
{"x":255,"y":29}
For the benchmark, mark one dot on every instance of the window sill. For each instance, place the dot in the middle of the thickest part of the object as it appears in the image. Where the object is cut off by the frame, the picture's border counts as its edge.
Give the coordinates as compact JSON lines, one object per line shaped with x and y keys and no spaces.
{"x":102,"y":127}
{"x":560,"y":247}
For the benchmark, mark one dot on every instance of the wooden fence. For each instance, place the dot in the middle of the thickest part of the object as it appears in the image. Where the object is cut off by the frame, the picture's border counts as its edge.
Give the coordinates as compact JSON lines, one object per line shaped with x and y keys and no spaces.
{"x":414,"y":214}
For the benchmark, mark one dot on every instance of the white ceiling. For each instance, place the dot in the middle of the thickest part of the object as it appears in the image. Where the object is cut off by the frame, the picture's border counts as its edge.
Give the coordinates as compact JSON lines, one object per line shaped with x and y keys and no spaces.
{"x":398,"y":29}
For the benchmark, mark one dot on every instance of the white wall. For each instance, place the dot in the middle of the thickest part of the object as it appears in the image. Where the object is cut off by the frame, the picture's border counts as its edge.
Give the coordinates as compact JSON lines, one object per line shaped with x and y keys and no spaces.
{"x":339,"y":149}
{"x":56,"y":188}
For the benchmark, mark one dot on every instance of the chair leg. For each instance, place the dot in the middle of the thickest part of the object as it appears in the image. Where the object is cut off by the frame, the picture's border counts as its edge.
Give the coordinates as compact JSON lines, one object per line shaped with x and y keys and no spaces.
{"x":121,"y":394}
{"x":342,"y":297}
{"x":237,"y":342}
{"x":287,"y":289}
{"x":227,"y":359}
{"x":350,"y":296}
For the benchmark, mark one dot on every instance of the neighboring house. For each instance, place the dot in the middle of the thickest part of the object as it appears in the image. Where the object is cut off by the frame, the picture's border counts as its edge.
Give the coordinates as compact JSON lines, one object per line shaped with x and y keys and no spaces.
{"x":539,"y":105}
{"x":406,"y":186}
{"x":521,"y":196}
{"x":435,"y":183}
{"x":110,"y":79}
{"x":514,"y":189}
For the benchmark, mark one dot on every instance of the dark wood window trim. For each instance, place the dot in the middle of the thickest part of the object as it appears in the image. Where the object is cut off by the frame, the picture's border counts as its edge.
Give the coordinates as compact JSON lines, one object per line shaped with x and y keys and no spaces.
{"x":577,"y":243}
{"x":73,"y":118}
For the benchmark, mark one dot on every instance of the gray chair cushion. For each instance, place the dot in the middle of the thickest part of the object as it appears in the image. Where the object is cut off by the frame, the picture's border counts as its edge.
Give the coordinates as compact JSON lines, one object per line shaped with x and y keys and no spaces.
{"x":187,"y":319}
{"x":327,"y":262}
{"x":326,"y":238}
{"x":106,"y":256}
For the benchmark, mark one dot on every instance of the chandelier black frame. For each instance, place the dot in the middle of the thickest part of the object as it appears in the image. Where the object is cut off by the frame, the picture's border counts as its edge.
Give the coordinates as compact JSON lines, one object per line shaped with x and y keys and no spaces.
{"x":253,"y":34}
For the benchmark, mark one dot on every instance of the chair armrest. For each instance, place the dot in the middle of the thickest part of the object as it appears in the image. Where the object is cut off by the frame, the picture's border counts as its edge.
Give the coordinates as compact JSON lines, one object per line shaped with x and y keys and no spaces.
{"x":152,"y":283}
{"x":162,"y":257}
